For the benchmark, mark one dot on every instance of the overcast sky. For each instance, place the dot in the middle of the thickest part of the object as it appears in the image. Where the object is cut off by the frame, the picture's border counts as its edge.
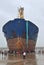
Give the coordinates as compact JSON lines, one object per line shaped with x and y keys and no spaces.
{"x":33,"y":11}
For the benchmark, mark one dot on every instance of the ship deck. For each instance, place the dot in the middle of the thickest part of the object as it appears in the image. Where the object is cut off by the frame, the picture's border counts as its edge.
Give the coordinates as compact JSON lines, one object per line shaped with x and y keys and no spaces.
{"x":31,"y":59}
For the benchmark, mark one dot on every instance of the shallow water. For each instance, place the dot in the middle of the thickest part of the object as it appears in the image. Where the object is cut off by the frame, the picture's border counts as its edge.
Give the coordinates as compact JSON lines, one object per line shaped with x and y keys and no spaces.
{"x":31,"y":59}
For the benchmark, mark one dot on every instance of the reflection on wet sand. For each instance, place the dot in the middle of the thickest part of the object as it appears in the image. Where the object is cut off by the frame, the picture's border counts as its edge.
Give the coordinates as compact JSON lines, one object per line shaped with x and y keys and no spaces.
{"x":19,"y":63}
{"x":31,"y":59}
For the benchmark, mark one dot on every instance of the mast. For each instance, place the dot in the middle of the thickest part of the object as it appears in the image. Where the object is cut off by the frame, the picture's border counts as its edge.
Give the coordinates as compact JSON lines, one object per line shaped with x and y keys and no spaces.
{"x":21,"y":12}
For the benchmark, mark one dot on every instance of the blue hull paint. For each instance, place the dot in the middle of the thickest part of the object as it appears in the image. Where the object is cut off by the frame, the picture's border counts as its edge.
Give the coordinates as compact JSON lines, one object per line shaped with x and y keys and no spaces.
{"x":15,"y":28}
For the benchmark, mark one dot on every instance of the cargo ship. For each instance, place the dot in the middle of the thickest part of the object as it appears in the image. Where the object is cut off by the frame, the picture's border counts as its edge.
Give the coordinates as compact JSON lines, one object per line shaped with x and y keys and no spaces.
{"x":21,"y":35}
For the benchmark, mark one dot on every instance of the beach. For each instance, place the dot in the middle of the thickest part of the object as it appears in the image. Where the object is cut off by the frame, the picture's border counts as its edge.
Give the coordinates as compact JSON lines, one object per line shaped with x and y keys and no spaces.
{"x":31,"y":59}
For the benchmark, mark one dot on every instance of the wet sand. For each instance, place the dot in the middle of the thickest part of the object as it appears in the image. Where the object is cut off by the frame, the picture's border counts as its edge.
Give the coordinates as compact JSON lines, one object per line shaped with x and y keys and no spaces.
{"x":31,"y":59}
